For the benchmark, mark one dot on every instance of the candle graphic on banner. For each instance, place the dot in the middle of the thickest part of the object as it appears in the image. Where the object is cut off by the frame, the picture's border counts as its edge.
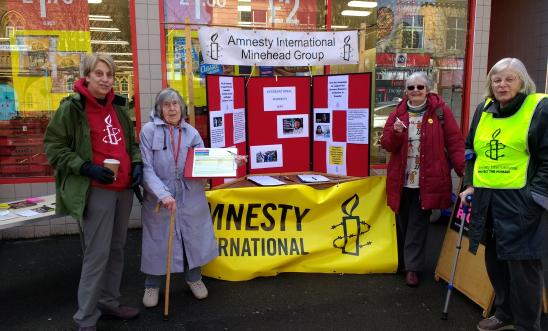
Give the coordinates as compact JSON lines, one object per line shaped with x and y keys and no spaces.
{"x":353,"y":229}
{"x":346,"y":55}
{"x":214,"y":47}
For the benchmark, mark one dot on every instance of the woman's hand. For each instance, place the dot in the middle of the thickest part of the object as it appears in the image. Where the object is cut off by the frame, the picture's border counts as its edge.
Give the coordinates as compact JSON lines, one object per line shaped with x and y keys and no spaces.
{"x":169,"y":203}
{"x":240,"y":160}
{"x":398,"y":125}
{"x":462,"y":195}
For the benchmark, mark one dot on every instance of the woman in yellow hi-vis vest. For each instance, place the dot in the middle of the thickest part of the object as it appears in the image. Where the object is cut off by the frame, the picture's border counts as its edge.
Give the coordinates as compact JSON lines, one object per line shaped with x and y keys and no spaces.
{"x":507,"y":174}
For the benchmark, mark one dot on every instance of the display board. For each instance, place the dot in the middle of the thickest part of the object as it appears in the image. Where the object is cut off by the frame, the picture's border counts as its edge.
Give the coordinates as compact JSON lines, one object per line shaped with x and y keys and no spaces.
{"x":227,"y":118}
{"x":340,"y":124}
{"x":278,"y":111}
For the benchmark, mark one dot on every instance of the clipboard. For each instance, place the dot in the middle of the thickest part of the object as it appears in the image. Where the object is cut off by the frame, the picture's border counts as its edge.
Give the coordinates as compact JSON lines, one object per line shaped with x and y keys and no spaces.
{"x":210,"y":163}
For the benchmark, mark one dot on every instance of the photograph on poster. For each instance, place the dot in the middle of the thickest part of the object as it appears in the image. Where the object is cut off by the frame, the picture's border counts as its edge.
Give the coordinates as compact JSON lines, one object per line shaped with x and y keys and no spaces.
{"x":323,"y":117}
{"x":217,"y":129}
{"x":63,"y":81}
{"x":266,"y":156}
{"x":217,"y":121}
{"x":322,"y":124}
{"x":292,"y":126}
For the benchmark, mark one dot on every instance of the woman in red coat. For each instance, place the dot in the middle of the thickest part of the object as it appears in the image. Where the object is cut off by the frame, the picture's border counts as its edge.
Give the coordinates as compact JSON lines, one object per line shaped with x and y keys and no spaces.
{"x":424,"y":141}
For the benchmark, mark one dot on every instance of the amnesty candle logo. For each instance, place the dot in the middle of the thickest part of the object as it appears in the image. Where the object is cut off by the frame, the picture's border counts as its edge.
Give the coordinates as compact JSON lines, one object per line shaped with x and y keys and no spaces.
{"x":354,"y":229}
{"x":495,"y":147}
{"x":112,"y":134}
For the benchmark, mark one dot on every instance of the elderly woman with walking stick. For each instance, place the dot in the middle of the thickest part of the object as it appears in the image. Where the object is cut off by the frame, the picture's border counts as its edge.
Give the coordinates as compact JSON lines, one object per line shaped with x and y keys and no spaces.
{"x":165,"y":142}
{"x":507,"y":172}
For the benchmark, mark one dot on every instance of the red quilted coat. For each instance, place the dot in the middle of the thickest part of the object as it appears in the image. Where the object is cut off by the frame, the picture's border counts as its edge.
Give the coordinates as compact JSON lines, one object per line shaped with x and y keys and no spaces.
{"x":442,"y":146}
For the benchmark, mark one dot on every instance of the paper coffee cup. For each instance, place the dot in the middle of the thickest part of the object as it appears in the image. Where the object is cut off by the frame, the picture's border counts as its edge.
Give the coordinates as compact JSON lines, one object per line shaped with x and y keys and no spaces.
{"x":112,"y":164}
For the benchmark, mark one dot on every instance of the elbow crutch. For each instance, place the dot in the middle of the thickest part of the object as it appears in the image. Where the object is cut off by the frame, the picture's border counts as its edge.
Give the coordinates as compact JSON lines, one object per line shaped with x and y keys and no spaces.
{"x":466,"y":210}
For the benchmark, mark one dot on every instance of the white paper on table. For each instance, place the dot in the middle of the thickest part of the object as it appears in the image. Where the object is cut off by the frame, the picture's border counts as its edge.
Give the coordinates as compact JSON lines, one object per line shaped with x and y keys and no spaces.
{"x":226,"y":87}
{"x":265,"y":180}
{"x":27,"y":213}
{"x":335,"y":154}
{"x":266,"y":156}
{"x":313,"y":178}
{"x":214,"y":162}
{"x":217,"y":129}
{"x":6,"y":215}
{"x":337,"y":92}
{"x":357,"y":126}
{"x":280,"y":98}
{"x":238,"y":123}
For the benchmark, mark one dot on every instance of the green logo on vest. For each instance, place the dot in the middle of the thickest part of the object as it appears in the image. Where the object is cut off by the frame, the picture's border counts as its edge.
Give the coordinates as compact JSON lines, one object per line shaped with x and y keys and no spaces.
{"x":495,"y":146}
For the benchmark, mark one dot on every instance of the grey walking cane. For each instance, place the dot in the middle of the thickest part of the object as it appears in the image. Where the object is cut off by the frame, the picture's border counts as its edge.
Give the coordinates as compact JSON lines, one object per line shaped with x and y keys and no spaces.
{"x":168,"y":269}
{"x":466,"y":210}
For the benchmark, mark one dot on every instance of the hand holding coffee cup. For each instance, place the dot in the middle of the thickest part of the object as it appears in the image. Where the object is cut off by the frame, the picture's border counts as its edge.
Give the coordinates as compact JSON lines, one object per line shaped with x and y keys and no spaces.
{"x":113,"y":165}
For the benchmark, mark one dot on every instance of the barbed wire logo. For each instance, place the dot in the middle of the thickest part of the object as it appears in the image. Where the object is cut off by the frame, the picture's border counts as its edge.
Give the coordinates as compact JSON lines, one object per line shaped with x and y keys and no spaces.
{"x":349,"y":242}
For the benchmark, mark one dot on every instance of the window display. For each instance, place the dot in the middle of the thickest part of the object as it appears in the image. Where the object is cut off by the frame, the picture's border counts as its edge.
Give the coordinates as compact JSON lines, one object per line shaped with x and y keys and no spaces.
{"x":42,"y":44}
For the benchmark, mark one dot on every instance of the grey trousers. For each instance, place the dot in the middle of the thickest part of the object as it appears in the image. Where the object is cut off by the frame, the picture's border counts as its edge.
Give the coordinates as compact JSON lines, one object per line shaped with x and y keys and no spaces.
{"x":104,"y":230}
{"x":413,"y":229}
{"x":518,"y":287}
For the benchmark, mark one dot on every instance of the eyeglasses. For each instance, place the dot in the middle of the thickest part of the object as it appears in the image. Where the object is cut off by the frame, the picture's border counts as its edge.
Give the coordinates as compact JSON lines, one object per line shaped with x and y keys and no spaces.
{"x":508,"y":80}
{"x":412,"y":87}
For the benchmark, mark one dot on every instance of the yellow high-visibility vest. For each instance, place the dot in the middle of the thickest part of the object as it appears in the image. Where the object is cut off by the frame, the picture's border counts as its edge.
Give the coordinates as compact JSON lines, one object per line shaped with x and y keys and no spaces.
{"x":501,"y":147}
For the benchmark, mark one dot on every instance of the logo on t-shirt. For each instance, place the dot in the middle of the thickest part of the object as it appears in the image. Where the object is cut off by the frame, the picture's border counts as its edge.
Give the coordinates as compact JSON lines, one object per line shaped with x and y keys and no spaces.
{"x":113,"y":134}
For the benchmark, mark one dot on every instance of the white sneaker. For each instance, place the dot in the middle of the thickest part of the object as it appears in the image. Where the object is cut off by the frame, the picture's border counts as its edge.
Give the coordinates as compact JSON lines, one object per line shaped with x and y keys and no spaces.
{"x":150,"y":298}
{"x":198,"y":288}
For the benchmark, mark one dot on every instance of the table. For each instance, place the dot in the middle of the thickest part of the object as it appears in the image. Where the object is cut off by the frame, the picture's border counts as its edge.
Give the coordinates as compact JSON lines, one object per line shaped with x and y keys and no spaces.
{"x":49,"y":200}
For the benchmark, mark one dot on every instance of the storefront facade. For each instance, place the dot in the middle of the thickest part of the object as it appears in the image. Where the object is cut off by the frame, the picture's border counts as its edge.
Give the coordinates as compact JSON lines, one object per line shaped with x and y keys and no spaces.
{"x":42,"y":43}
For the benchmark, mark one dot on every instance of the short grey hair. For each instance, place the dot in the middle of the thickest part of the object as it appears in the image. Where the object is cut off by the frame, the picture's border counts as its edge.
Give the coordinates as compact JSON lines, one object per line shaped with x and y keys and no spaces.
{"x":528,"y":86}
{"x":420,"y":76}
{"x":91,"y":60}
{"x":168,"y":94}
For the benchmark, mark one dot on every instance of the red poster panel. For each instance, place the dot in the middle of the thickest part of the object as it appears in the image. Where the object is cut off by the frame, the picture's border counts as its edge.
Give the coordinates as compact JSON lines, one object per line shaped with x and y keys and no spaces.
{"x":278,"y":112}
{"x":51,"y":15}
{"x":227,"y":123}
{"x":340,"y":124}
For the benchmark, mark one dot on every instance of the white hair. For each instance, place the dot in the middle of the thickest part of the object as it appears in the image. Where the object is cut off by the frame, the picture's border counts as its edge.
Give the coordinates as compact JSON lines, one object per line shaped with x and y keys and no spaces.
{"x":528,"y":86}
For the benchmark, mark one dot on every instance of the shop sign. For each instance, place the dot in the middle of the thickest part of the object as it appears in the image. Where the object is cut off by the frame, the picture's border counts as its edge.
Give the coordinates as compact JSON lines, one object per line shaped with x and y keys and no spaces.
{"x":278,"y":47}
{"x":52,"y":15}
{"x":210,"y":69}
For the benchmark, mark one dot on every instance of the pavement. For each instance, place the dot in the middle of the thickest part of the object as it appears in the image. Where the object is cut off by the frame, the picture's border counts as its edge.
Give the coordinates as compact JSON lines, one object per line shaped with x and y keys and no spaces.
{"x":39,"y":278}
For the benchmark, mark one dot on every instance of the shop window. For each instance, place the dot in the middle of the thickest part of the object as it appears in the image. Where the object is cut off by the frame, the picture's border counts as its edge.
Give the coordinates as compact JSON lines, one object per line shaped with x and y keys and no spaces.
{"x":41,"y":52}
{"x":456,"y":33}
{"x":427,"y":36}
{"x":412,"y":32}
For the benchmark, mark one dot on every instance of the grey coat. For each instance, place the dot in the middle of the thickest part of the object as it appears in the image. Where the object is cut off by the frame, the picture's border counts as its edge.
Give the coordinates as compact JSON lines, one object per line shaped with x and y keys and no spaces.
{"x":193,"y":224}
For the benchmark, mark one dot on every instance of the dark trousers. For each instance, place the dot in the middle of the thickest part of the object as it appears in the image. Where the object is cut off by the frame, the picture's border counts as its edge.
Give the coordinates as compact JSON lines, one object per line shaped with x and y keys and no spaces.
{"x":412,"y":230}
{"x":104,"y":230}
{"x":518,"y":287}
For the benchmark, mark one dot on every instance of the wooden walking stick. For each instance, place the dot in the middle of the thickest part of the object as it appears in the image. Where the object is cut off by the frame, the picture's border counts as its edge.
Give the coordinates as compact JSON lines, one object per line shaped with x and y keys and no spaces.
{"x":168,"y":271}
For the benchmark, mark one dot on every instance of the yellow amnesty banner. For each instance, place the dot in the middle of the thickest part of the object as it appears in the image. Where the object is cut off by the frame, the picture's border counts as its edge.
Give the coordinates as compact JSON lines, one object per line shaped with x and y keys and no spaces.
{"x":263,"y":231}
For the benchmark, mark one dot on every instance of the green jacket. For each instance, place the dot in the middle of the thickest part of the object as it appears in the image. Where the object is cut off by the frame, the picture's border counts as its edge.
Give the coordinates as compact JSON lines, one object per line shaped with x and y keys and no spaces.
{"x":68,"y":145}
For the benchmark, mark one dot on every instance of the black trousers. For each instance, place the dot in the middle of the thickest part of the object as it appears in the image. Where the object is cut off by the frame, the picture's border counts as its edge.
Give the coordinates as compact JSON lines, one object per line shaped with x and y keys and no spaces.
{"x":518,"y":287}
{"x":413,"y":225}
